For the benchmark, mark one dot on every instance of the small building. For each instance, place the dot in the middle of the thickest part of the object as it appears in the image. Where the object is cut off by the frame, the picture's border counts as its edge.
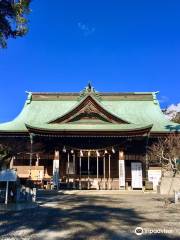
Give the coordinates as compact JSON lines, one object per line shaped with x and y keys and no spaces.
{"x":86,"y":140}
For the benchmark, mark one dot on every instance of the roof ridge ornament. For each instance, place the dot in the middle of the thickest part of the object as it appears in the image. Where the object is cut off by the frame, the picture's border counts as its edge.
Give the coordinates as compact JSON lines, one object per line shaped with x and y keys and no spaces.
{"x":29,"y":97}
{"x":89,"y":90}
{"x":89,"y":86}
{"x":155,"y":100}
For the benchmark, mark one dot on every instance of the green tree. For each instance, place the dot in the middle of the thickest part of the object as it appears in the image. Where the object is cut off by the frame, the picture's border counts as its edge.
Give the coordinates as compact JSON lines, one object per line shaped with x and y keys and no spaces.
{"x":13,"y":19}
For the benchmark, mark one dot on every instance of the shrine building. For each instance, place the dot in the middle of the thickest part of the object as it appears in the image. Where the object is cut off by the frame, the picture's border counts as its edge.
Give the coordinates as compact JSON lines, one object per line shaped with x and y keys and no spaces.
{"x":86,"y":140}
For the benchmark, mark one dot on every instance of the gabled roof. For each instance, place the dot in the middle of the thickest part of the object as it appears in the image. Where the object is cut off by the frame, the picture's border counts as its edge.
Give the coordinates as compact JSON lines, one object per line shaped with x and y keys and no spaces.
{"x":88,"y":105}
{"x":57,"y":111}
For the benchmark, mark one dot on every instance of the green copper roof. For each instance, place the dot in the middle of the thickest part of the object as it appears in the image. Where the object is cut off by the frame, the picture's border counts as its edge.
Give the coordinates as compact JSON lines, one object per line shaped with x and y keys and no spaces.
{"x":96,"y":101}
{"x":90,"y":127}
{"x":139,"y":109}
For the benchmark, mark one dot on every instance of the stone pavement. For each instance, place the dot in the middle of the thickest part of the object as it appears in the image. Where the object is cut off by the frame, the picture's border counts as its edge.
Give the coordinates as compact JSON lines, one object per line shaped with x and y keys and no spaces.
{"x":86,"y":215}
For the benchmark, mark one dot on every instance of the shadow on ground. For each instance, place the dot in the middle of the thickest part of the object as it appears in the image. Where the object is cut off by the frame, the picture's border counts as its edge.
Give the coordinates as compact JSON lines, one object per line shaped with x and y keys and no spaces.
{"x":75,"y":217}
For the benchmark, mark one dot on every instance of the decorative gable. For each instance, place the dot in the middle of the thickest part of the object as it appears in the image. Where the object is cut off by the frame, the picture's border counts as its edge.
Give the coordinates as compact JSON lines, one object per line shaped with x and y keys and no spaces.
{"x":88,"y":110}
{"x":89,"y":114}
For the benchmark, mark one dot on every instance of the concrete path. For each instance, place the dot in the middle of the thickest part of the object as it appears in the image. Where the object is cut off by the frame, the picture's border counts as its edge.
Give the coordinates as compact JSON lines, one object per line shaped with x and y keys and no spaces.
{"x":78,"y":215}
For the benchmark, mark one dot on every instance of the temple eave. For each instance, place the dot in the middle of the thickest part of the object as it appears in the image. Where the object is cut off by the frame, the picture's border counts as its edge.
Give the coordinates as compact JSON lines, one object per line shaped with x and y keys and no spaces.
{"x":90,"y":131}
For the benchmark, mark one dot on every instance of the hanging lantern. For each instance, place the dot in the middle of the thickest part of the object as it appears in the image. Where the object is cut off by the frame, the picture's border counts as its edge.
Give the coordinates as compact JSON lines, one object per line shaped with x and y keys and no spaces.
{"x":105,"y":152}
{"x":72,"y":151}
{"x":89,"y":153}
{"x":64,"y":149}
{"x":81,"y":153}
{"x":113,"y":150}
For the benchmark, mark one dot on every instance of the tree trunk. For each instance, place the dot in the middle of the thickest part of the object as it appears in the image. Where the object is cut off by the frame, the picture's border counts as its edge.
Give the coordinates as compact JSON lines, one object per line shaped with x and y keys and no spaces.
{"x":167,"y":199}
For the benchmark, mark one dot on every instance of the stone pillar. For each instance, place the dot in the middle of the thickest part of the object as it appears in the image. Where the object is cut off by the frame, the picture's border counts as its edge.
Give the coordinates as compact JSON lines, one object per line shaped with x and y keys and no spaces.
{"x":56,"y":169}
{"x":121,"y":170}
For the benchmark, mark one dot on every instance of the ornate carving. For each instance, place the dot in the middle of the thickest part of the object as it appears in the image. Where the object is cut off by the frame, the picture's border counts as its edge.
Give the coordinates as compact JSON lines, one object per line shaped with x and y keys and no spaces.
{"x":89,"y":90}
{"x":89,"y":108}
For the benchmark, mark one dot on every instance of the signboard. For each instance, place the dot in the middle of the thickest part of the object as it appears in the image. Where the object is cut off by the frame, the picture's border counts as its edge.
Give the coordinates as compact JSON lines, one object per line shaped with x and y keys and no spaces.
{"x":136,"y":174}
{"x":37,"y":174}
{"x":8,"y":175}
{"x":154,"y":175}
{"x":121,"y":173}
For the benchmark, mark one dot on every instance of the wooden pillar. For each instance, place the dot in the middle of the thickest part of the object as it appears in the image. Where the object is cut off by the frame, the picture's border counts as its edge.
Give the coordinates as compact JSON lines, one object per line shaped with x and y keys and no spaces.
{"x":31,"y":154}
{"x":88,"y":169}
{"x":56,"y":169}
{"x":121,"y":170}
{"x":109,"y":171}
{"x":68,"y":168}
{"x":104,"y":170}
{"x":146,"y":157}
{"x":74,"y":170}
{"x":74,"y":163}
{"x":80,"y":172}
{"x":97,"y":170}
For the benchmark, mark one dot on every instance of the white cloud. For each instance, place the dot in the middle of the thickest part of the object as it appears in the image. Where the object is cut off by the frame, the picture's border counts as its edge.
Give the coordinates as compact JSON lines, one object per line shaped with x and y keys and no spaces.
{"x":86,"y":29}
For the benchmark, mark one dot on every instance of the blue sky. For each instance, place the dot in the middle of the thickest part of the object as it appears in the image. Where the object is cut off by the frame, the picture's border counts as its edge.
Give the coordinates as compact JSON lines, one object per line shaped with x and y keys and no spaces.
{"x":118,"y":45}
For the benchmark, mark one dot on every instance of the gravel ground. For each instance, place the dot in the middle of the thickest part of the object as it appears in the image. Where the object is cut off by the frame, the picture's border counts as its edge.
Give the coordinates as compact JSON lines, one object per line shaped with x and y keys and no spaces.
{"x":90,"y":216}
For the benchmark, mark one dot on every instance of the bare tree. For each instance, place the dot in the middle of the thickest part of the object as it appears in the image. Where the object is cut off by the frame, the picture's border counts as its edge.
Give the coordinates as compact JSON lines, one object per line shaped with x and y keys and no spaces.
{"x":166,"y":153}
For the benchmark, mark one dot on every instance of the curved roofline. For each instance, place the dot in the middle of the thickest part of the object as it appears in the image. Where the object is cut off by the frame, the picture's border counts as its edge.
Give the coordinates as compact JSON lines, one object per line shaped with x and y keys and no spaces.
{"x":80,"y":102}
{"x":147,"y":127}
